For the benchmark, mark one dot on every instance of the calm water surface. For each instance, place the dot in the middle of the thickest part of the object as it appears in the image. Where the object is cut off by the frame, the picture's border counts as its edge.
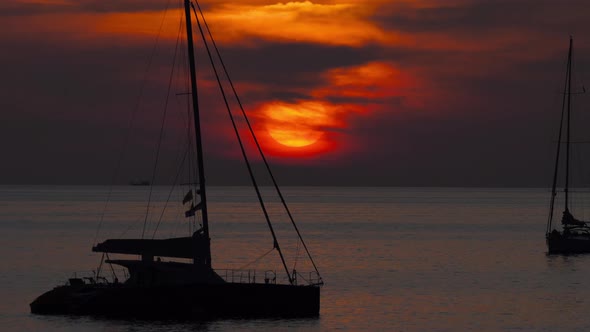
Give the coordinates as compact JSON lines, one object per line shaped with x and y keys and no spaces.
{"x":395,"y":259}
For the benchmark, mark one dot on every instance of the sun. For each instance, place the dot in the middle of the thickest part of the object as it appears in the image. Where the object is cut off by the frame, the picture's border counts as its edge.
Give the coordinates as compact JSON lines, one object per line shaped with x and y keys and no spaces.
{"x":293,"y":135}
{"x":296,"y":125}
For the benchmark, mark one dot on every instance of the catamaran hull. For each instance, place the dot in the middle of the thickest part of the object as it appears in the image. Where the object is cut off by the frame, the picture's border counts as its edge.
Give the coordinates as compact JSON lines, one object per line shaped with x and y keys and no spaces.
{"x":193,"y":302}
{"x":568,"y":245}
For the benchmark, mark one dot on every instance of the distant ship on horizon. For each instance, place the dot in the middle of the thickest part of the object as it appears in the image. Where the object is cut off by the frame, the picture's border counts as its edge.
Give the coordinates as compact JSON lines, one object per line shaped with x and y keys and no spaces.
{"x":140,"y":183}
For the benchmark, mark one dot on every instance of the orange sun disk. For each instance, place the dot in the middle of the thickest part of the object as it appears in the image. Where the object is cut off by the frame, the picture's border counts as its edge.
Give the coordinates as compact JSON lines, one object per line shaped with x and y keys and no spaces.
{"x":300,"y":129}
{"x":293,"y":135}
{"x":296,"y":125}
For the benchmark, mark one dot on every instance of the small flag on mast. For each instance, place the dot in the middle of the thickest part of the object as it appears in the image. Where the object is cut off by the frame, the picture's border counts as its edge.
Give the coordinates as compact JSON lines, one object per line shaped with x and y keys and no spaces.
{"x":188,"y":197}
{"x":192,"y":210}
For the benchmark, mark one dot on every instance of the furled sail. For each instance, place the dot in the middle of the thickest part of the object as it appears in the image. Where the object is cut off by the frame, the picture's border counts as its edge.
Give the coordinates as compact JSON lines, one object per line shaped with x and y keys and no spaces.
{"x":193,"y":247}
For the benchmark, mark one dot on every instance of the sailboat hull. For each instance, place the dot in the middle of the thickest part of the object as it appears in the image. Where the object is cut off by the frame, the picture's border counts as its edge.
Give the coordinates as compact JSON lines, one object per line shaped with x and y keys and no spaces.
{"x":192,"y":302}
{"x":574,"y":244}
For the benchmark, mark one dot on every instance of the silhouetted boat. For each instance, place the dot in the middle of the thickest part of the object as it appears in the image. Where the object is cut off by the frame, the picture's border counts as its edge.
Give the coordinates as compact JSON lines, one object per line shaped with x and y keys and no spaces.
{"x":574,"y":238}
{"x":157,"y":289}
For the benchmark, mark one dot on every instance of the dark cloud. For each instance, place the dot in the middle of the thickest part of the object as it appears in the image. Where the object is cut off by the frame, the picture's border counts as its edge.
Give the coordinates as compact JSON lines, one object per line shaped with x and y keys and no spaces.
{"x":19,"y":8}
{"x":285,"y":67}
{"x":479,"y":18}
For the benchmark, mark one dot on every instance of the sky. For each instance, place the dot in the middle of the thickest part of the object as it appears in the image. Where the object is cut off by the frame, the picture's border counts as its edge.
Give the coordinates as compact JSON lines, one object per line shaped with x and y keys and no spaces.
{"x":339,"y":92}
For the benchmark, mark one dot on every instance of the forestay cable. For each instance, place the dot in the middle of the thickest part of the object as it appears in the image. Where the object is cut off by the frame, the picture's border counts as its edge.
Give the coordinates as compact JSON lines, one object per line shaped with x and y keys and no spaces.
{"x":256,"y":139}
{"x":244,"y":155}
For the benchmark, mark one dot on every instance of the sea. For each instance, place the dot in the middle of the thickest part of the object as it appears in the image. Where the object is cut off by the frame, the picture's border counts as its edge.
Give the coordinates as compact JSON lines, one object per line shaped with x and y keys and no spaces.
{"x":392,"y":259}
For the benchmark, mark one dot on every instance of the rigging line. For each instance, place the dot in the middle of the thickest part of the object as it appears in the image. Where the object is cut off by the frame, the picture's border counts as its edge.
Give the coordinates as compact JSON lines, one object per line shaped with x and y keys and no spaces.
{"x":256,"y":260}
{"x":568,"y":119}
{"x":193,"y":173}
{"x":557,"y":154}
{"x":99,"y":266}
{"x":122,"y":234}
{"x":296,"y":255}
{"x":174,"y":183}
{"x":189,"y":113}
{"x":199,"y":162}
{"x":186,"y":83}
{"x":132,"y":121}
{"x":174,"y":231}
{"x":112,"y":268}
{"x":170,"y":193}
{"x":198,"y":133}
{"x":160,"y":138}
{"x":255,"y":139}
{"x":578,"y":200}
{"x":244,"y":155}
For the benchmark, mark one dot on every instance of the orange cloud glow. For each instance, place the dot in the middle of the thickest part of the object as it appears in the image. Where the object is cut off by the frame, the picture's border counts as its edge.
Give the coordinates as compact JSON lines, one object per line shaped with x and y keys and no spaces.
{"x":315,"y":126}
{"x":44,"y":2}
{"x":332,"y":24}
{"x":371,"y":80}
{"x":338,"y":23}
{"x":88,"y":28}
{"x":329,"y":22}
{"x":140,"y":23}
{"x":373,"y":83}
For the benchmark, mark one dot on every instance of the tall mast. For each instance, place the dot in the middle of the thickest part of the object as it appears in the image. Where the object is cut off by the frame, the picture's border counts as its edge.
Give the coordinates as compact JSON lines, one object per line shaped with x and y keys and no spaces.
{"x":558,"y":153}
{"x":569,"y":104}
{"x":200,"y":164}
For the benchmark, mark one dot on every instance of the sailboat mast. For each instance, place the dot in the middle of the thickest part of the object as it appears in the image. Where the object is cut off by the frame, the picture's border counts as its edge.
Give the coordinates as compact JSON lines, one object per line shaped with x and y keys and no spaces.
{"x":200,"y":163}
{"x":558,"y":153}
{"x":568,"y":140}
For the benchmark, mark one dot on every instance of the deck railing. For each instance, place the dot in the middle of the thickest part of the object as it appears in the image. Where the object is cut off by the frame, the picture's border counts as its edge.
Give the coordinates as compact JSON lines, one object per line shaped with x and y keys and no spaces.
{"x":235,"y":276}
{"x":90,"y":277}
{"x":268,"y":277}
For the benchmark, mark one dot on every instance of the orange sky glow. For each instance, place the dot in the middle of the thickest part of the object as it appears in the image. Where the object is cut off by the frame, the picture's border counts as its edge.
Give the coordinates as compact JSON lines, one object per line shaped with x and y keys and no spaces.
{"x":300,"y":127}
{"x":314,"y":75}
{"x":305,"y":127}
